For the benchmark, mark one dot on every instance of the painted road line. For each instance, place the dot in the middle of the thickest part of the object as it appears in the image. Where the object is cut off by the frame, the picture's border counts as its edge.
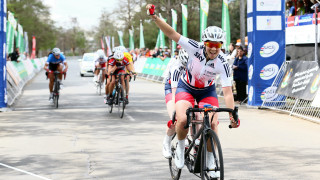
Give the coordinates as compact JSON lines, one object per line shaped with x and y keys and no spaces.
{"x":26,"y":172}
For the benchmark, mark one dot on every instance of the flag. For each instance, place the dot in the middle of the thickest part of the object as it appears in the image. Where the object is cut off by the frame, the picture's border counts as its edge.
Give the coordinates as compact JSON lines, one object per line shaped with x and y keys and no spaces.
{"x":162,"y":37}
{"x":102,"y":45}
{"x":11,"y":28}
{"x":226,"y":23}
{"x":174,"y":26}
{"x":204,"y":9}
{"x":142,"y":45}
{"x":120,"y":33}
{"x":131,"y":40}
{"x":158,"y":40}
{"x":184,"y":20}
{"x":33,"y":53}
{"x":107,"y":38}
{"x":112,"y":43}
{"x":20,"y":39}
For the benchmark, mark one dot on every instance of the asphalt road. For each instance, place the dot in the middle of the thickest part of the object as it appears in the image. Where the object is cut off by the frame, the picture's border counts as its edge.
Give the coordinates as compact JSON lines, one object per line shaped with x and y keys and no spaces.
{"x":81,"y":140}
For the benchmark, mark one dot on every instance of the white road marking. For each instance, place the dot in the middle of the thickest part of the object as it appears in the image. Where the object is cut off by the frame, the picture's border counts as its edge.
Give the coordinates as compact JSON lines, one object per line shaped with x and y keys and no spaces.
{"x":26,"y":172}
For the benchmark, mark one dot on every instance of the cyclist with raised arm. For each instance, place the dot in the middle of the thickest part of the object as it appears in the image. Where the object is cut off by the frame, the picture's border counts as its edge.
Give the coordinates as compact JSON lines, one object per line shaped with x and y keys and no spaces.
{"x":206,"y":60}
{"x":55,"y":62}
{"x":100,"y":65}
{"x":176,"y":70}
{"x":116,"y":65}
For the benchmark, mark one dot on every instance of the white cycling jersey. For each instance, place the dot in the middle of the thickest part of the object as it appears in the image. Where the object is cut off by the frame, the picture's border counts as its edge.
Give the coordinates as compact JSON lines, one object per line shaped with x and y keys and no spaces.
{"x":199,"y":72}
{"x":175,"y":71}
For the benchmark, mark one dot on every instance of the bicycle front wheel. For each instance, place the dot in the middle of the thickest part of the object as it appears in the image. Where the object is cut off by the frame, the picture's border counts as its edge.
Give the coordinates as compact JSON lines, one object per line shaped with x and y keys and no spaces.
{"x":56,"y":101}
{"x":121,"y":101}
{"x":175,"y":172}
{"x":216,"y":169}
{"x":56,"y":93}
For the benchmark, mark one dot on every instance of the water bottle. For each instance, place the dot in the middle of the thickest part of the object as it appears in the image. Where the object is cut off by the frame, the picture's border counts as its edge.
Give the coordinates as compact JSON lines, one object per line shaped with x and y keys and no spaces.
{"x":113,"y":92}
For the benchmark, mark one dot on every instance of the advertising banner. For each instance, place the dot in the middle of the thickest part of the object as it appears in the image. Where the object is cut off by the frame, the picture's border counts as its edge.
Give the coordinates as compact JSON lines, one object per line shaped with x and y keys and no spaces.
{"x":131,"y":40}
{"x":11,"y":29}
{"x":266,"y":46}
{"x":3,"y":55}
{"x":120,"y":33}
{"x":184,"y":20}
{"x":174,"y":26}
{"x":301,"y":80}
{"x":204,"y":10}
{"x":26,"y":43}
{"x":20,"y":39}
{"x":33,"y":53}
{"x":142,"y":45}
{"x":226,"y":22}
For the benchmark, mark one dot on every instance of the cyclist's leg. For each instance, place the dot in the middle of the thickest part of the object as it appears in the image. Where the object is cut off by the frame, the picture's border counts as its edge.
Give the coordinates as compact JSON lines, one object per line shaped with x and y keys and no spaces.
{"x":96,"y":71}
{"x":60,"y":68}
{"x":127,"y":87}
{"x":103,"y":69}
{"x":184,"y":100}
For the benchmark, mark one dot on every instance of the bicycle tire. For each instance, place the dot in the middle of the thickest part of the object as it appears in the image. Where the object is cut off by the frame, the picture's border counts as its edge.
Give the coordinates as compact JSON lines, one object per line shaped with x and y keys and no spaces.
{"x":56,"y":101}
{"x":99,"y":84}
{"x":56,"y":93}
{"x":212,"y":138}
{"x":121,"y":102}
{"x":110,"y":107}
{"x":174,"y":171}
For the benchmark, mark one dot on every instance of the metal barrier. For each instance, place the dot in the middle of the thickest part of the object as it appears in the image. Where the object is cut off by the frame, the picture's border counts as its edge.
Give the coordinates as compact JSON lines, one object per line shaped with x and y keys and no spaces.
{"x":293,"y":106}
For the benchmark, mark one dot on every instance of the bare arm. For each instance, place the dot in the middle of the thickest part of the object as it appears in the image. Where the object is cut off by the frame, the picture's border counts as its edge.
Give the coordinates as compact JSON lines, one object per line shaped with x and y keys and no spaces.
{"x":165,"y":28}
{"x":228,"y":98}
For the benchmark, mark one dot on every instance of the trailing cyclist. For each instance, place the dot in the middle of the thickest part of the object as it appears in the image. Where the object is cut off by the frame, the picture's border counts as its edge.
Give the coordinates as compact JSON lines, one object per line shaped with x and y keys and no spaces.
{"x":129,"y":57}
{"x":116,"y":65}
{"x":100,"y":65}
{"x":176,"y":70}
{"x":206,"y":60}
{"x":55,"y":62}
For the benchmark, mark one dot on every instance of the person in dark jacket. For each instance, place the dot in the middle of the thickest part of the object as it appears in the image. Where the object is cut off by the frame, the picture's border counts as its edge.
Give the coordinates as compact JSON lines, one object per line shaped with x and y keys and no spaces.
{"x":240,"y":74}
{"x":14,"y":55}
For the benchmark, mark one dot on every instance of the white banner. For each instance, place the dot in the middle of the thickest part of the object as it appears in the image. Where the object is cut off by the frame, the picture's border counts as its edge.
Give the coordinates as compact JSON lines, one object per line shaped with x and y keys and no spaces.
{"x":268,"y":23}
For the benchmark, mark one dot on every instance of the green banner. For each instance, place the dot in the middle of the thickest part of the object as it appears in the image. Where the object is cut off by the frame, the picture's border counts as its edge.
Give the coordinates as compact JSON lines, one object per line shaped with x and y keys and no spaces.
{"x":131,"y":41}
{"x":204,"y":9}
{"x":120,"y":33}
{"x":184,"y":20}
{"x":20,"y":39}
{"x":142,"y":45}
{"x":34,"y":64}
{"x":21,"y":69}
{"x":174,"y":26}
{"x":11,"y":28}
{"x":155,"y":66}
{"x":158,"y":40}
{"x":226,"y":23}
{"x":162,"y":37}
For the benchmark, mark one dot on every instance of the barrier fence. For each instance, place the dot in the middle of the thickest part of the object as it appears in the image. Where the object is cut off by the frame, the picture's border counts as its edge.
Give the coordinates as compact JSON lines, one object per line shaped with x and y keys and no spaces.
{"x":307,"y":109}
{"x":18,"y":74}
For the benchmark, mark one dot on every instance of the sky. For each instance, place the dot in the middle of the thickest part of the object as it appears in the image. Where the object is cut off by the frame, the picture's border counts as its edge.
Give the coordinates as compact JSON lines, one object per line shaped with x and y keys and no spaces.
{"x":87,"y":12}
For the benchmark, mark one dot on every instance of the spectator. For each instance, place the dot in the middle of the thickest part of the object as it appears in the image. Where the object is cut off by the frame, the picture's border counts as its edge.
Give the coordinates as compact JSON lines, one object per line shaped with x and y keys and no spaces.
{"x":163,"y":56}
{"x":290,"y":11}
{"x":240,"y":74}
{"x":238,"y":44}
{"x":14,"y":55}
{"x":176,"y":53}
{"x":232,"y":52}
{"x":156,"y":53}
{"x":147,"y":53}
{"x":300,"y":9}
{"x":307,"y":6}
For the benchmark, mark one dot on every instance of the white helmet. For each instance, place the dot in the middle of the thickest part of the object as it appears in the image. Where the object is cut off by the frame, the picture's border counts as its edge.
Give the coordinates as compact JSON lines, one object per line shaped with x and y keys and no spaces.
{"x":100,"y":53}
{"x":56,"y":51}
{"x":213,"y":33}
{"x":120,"y":48}
{"x":118,"y":55}
{"x":183,"y":57}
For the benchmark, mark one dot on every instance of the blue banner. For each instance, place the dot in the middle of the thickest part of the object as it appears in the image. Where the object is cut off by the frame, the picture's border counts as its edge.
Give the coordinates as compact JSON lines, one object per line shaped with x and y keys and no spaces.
{"x":3,"y":60}
{"x":266,"y":47}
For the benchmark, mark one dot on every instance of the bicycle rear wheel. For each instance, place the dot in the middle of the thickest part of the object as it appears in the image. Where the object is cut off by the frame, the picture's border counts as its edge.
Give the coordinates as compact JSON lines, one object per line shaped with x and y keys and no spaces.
{"x":175,"y":172}
{"x":213,"y":141}
{"x":121,"y":101}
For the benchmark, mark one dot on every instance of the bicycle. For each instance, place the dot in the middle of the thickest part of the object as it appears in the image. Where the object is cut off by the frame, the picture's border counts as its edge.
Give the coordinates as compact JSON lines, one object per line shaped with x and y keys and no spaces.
{"x":99,"y":82}
{"x":195,"y":153}
{"x":118,"y":97}
{"x":56,"y":87}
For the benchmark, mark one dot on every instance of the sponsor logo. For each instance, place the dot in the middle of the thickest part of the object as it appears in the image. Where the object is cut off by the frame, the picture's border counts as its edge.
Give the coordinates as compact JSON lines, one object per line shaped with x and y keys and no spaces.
{"x":269,"y":94}
{"x":296,"y":20}
{"x":249,"y":50}
{"x":286,"y":79}
{"x":250,"y":93}
{"x":269,"y":71}
{"x":250,"y":72}
{"x":269,"y":49}
{"x":315,"y":84}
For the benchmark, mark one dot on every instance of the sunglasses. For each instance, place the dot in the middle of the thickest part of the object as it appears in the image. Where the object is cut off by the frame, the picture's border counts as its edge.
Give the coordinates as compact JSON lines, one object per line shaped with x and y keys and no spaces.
{"x":213,"y":44}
